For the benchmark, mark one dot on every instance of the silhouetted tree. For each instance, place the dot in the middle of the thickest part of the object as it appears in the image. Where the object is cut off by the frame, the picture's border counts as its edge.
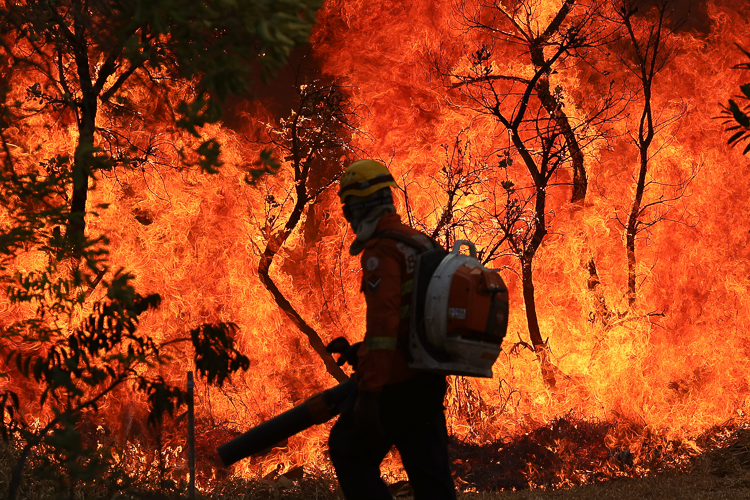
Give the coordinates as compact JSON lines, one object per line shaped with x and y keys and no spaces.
{"x":463,"y":176}
{"x":541,"y":137}
{"x":312,"y":141}
{"x":646,"y":46}
{"x":79,"y":57}
{"x":77,"y":64}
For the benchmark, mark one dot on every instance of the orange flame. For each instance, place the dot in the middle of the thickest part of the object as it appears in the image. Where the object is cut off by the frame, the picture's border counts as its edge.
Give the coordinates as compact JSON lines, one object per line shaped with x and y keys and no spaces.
{"x":675,"y":365}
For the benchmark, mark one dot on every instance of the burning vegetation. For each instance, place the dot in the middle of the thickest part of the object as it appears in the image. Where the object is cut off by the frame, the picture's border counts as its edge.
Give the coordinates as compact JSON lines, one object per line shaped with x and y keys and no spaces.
{"x":164,"y":211}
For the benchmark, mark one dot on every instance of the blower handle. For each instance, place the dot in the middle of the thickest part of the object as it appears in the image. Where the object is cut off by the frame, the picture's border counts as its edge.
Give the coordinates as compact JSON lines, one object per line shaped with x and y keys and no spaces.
{"x":458,"y":244}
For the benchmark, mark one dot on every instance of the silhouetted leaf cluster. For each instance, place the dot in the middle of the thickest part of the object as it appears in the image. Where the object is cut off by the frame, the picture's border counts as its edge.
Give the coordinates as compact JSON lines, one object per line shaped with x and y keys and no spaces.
{"x":738,"y":115}
{"x":82,"y":61}
{"x":76,"y":370}
{"x":216,"y":357}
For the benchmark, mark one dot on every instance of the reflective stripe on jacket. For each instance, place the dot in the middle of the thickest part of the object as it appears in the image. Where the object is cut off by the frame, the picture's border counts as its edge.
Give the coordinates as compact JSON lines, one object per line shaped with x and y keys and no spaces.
{"x":387,"y":279}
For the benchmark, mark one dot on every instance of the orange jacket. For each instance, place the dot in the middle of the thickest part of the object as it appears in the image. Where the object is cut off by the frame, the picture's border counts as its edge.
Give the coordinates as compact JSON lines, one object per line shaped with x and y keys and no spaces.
{"x":387,"y":279}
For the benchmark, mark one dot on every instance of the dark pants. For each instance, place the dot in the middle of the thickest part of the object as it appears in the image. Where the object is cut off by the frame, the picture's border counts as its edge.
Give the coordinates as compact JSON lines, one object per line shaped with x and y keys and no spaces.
{"x":411,"y":414}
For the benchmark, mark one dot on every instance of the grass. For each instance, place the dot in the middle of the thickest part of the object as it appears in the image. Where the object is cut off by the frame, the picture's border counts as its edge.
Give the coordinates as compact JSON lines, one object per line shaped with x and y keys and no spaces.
{"x":720,"y":474}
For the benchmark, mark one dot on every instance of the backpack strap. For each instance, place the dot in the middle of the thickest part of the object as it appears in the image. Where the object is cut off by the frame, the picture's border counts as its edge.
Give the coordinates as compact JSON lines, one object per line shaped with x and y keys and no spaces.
{"x":407,"y":240}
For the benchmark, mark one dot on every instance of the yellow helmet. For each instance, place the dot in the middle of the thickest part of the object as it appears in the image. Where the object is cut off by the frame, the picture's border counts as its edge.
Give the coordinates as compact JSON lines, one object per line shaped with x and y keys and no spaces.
{"x":364,"y":177}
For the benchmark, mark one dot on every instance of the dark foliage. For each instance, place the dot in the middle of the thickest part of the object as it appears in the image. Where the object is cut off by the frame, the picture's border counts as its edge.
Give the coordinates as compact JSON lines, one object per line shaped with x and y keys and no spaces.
{"x":738,"y":115}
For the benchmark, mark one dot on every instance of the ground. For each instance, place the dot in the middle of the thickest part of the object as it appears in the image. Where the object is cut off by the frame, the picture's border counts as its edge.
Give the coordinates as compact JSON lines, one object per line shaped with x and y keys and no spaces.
{"x":720,"y":474}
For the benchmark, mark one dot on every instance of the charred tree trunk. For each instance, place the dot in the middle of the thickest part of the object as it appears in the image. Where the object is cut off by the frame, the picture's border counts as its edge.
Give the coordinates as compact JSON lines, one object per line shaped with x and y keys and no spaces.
{"x":580,"y":179}
{"x":631,"y":229}
{"x":527,"y":274}
{"x":647,"y":66}
{"x":527,"y":277}
{"x":554,"y":108}
{"x":83,"y":164}
{"x":82,"y":168}
{"x":630,"y":252}
{"x":540,"y":345}
{"x":601,"y":312}
{"x":302,"y":156}
{"x":275,"y":243}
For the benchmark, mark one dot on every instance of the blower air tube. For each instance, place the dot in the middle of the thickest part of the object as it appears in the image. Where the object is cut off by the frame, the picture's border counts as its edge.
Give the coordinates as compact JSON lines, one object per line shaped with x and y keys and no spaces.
{"x":315,"y":410}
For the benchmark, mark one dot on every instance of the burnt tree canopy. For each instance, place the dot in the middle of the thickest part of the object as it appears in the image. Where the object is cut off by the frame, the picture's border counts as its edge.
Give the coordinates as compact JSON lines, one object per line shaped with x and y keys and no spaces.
{"x":78,"y":59}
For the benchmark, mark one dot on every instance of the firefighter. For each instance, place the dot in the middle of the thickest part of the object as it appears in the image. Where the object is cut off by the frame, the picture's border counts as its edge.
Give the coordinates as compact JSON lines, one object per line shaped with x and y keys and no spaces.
{"x":394,"y":405}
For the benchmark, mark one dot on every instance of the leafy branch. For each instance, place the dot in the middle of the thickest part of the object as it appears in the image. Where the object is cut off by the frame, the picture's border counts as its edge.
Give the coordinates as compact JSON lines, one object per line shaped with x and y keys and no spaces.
{"x":738,"y":115}
{"x":76,"y":371}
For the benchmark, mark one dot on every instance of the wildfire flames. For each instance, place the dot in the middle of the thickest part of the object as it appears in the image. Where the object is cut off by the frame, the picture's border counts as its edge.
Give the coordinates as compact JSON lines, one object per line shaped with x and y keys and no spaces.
{"x":660,"y":372}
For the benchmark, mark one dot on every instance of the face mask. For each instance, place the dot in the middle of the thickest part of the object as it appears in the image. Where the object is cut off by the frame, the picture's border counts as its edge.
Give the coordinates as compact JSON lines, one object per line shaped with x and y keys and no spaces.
{"x":350,"y":208}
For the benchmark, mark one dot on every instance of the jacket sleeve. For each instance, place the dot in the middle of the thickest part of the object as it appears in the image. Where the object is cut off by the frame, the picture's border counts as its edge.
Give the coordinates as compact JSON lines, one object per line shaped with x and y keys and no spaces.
{"x":381,"y":282}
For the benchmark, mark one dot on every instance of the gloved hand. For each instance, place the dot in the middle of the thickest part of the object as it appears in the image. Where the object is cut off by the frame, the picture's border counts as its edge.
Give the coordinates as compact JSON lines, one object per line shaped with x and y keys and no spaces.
{"x":367,"y":413}
{"x":348,"y":353}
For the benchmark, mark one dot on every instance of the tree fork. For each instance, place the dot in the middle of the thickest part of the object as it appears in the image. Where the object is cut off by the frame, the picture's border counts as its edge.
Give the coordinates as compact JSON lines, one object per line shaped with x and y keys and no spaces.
{"x":277,"y":241}
{"x":580,"y":179}
{"x":312,"y":336}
